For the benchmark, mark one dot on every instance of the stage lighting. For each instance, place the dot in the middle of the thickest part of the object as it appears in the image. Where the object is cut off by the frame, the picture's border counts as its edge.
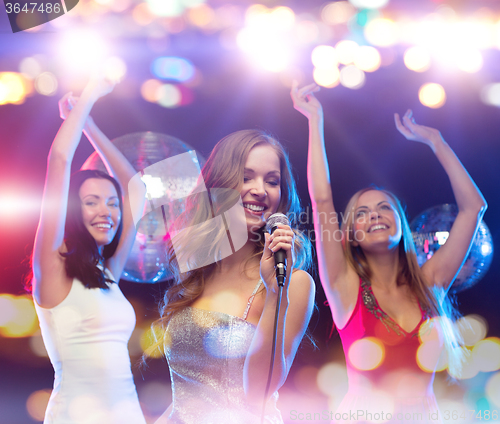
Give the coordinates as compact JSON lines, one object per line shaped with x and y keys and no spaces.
{"x":352,"y":77}
{"x":382,"y":32}
{"x":327,"y":77}
{"x":347,"y":51}
{"x":82,"y":51}
{"x":324,"y":57}
{"x":367,"y":59}
{"x":417,"y":59}
{"x":432,"y":95}
{"x":337,"y":13}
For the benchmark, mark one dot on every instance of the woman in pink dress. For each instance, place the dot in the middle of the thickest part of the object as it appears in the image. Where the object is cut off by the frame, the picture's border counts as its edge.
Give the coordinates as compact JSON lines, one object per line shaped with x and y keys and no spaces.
{"x":378,"y":294}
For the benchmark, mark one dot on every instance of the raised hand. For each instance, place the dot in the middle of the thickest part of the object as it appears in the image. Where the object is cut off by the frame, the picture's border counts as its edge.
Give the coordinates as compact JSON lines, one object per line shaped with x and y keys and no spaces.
{"x":282,"y":238}
{"x":304,"y":100}
{"x":415,"y":132}
{"x":67,"y":103}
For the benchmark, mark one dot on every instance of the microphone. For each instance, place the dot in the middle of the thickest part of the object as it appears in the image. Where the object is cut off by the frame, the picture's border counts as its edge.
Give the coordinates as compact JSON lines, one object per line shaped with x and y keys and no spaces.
{"x":280,"y":255}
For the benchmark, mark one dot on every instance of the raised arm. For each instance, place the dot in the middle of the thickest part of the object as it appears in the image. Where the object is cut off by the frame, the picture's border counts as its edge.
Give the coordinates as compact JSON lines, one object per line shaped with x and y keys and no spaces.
{"x":444,"y":266}
{"x":50,"y":282}
{"x":339,"y":280}
{"x":295,"y":313}
{"x":119,"y":167}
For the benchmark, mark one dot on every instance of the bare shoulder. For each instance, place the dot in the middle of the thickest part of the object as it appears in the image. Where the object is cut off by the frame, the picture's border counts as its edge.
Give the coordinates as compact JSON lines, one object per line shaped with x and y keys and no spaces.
{"x":302,"y":284}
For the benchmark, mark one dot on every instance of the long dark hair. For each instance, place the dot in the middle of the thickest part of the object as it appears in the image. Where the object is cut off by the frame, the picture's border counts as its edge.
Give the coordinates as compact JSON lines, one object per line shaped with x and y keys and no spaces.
{"x":82,"y":256}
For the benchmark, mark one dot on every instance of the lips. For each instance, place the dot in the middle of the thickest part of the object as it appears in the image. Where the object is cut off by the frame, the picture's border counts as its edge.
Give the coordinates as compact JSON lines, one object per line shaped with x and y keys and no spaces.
{"x":255,"y":208}
{"x":376,"y":227}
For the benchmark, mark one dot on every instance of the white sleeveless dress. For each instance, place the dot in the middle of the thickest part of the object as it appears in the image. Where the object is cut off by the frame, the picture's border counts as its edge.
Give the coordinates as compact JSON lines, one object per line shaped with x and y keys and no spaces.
{"x":206,"y":352}
{"x":86,"y":337}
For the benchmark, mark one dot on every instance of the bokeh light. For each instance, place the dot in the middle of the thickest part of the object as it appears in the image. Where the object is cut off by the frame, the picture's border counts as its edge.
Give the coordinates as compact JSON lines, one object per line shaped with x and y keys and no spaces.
{"x":337,"y":13}
{"x":369,"y":4}
{"x":13,"y":88}
{"x":347,"y":51}
{"x":36,"y":404}
{"x":431,"y":357}
{"x":324,"y":57}
{"x":46,"y":84}
{"x":82,"y":50}
{"x":326,"y":77}
{"x":366,"y":354}
{"x":150,"y":90}
{"x":115,"y":69}
{"x":432,"y":95}
{"x":382,"y":32}
{"x":417,"y":59}
{"x":332,"y":379}
{"x":473,"y":328}
{"x":367,"y":59}
{"x":20,"y":320}
{"x":173,"y":68}
{"x":164,"y":8}
{"x":490,"y":94}
{"x":352,"y":77}
{"x":30,"y":67}
{"x":469,"y":60}
{"x":169,"y":96}
{"x":486,"y":354}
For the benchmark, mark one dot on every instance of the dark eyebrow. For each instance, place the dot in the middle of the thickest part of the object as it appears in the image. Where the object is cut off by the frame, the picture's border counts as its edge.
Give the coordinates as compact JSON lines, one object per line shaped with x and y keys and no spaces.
{"x":98,"y":197}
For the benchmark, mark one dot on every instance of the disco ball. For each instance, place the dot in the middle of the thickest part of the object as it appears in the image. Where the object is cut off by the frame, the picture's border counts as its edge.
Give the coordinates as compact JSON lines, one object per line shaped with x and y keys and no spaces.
{"x":430,"y":231}
{"x":168,"y":181}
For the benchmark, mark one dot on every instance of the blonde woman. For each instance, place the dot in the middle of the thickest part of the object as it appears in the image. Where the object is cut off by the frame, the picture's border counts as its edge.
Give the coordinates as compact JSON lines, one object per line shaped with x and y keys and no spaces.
{"x":372,"y":280}
{"x":218,"y":318}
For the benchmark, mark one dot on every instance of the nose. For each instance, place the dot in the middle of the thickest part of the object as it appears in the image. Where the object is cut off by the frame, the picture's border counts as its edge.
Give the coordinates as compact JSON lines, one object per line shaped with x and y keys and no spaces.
{"x":374,"y":214}
{"x":258,"y":189}
{"x":104,"y":210}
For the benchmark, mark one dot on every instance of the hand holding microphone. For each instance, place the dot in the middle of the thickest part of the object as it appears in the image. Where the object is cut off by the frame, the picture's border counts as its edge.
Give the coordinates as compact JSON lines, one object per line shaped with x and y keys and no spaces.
{"x":280,"y":242}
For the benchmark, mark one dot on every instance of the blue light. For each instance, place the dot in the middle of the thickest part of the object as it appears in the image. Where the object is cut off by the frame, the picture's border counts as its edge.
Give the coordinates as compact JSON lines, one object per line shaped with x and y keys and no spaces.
{"x":173,"y":68}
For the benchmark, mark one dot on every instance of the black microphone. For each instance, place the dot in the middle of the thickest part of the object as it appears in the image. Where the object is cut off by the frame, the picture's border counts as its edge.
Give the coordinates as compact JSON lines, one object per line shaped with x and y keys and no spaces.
{"x":279,"y":255}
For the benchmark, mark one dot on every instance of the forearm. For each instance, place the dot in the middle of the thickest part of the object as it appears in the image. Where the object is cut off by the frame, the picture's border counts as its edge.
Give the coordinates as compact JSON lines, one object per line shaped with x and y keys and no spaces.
{"x":467,"y":194}
{"x":318,"y":173}
{"x":116,"y":163}
{"x":256,"y":369}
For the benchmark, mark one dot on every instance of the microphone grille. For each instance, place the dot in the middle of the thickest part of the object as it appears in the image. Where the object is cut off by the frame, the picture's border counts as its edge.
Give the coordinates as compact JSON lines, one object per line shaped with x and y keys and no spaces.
{"x":274,"y":219}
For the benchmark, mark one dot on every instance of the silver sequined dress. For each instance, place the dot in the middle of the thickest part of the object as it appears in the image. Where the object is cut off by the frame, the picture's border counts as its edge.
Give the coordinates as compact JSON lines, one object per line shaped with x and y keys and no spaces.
{"x":206,"y":352}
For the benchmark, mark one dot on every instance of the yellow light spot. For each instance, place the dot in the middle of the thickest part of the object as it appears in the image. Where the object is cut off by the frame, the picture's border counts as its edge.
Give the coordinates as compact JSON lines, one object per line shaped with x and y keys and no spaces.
{"x":337,"y":13}
{"x":115,"y":68}
{"x":469,"y":60}
{"x":201,"y":16}
{"x":417,"y":59}
{"x":12,"y":88}
{"x":432,"y":95}
{"x":283,"y":18}
{"x":324,"y":57}
{"x":142,"y":14}
{"x":366,"y":354}
{"x":429,"y":331}
{"x":150,"y":90}
{"x":382,"y":32}
{"x":472,"y":328}
{"x":352,"y":77}
{"x":24,"y":322}
{"x":150,"y":337}
{"x":368,"y":59}
{"x":347,"y":51}
{"x":469,"y":367}
{"x":430,"y":356}
{"x":37,"y":404}
{"x":46,"y":84}
{"x":327,"y":77}
{"x":486,"y":354}
{"x":332,"y":379}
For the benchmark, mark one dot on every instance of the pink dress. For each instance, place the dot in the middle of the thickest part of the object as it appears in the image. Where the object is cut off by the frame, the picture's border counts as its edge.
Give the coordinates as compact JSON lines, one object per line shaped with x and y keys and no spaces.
{"x":386,"y":384}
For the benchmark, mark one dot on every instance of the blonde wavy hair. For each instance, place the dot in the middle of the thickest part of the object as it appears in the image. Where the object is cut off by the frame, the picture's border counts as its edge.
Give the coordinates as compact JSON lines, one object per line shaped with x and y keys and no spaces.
{"x":224,"y":169}
{"x":436,"y":301}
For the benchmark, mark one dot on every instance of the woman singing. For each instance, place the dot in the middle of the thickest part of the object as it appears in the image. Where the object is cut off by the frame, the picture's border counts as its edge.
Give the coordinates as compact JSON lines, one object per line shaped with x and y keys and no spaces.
{"x":218,"y":317}
{"x":377,"y":293}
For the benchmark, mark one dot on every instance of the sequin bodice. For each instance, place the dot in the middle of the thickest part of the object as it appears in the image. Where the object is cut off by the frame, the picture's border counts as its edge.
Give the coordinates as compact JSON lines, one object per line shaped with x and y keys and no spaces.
{"x":206,"y":353}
